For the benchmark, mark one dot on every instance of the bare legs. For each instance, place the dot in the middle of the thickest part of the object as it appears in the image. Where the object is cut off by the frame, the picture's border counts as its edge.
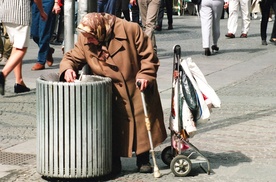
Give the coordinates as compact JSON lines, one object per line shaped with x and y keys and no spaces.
{"x":15,"y":63}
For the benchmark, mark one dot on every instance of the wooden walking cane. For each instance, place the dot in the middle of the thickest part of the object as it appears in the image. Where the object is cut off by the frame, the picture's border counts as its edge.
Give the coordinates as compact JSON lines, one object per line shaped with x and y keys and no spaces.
{"x":156,"y":171}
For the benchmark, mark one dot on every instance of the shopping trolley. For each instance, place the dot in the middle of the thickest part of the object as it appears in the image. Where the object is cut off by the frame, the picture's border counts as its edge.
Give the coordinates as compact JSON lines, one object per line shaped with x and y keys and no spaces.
{"x":181,"y":154}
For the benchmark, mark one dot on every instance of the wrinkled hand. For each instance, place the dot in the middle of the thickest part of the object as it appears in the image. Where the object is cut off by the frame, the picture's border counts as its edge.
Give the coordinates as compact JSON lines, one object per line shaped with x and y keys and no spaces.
{"x":143,"y":84}
{"x":70,"y":75}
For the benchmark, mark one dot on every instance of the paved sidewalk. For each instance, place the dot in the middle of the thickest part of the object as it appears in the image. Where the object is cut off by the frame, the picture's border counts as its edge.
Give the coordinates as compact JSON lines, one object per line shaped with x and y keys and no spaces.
{"x":239,"y":139}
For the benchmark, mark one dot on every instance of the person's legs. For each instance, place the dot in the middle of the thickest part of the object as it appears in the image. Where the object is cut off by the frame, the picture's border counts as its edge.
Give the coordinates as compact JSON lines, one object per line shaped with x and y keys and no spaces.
{"x":14,"y":60}
{"x":125,"y":9}
{"x":265,"y":8}
{"x":169,"y":13}
{"x":273,"y":34}
{"x":135,"y":14}
{"x":143,"y":8}
{"x":150,"y":20}
{"x":45,"y":32}
{"x":233,"y":16}
{"x":143,"y":164}
{"x":245,"y":10}
{"x":217,"y":11}
{"x":7,"y":45}
{"x":160,"y":16}
{"x":110,"y":7}
{"x":118,"y":9}
{"x":101,"y":5}
{"x":206,"y":23}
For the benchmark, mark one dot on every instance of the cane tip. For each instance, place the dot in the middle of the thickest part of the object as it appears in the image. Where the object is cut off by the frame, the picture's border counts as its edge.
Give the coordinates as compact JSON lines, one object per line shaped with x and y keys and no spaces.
{"x":157,"y":174}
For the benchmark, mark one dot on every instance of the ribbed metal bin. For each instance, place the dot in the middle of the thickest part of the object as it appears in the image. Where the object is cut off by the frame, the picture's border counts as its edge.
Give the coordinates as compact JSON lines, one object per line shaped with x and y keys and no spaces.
{"x":74,"y":128}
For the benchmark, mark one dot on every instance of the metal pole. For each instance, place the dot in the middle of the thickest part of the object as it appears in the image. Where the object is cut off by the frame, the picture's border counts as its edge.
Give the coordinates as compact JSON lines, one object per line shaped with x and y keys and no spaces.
{"x":69,"y":28}
{"x":82,"y":9}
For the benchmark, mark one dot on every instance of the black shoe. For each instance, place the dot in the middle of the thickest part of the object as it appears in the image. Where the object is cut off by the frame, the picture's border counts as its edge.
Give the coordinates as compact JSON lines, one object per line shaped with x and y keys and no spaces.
{"x":207,"y":52}
{"x":215,"y":48}
{"x":2,"y":83}
{"x":145,"y":168}
{"x":143,"y":163}
{"x":116,"y":166}
{"x":170,"y":27}
{"x":264,"y":42}
{"x":20,"y":88}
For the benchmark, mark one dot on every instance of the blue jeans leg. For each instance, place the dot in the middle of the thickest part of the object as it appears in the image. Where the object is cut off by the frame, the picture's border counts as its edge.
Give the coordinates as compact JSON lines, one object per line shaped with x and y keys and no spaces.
{"x":41,"y":31}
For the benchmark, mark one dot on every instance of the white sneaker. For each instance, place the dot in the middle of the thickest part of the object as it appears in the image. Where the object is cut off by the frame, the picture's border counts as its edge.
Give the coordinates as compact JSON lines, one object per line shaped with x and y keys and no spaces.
{"x":3,"y":61}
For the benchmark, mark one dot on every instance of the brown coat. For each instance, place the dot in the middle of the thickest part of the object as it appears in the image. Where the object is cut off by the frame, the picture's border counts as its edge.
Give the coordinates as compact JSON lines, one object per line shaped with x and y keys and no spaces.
{"x":131,"y":57}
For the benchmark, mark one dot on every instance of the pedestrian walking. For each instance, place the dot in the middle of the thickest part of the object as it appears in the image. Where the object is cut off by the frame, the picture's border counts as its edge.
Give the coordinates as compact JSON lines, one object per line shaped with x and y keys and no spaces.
{"x":15,"y":16}
{"x":266,"y":5}
{"x":210,"y":15}
{"x":165,"y":5}
{"x":122,"y":6}
{"x":41,"y":32}
{"x":234,"y":7}
{"x":148,"y":12}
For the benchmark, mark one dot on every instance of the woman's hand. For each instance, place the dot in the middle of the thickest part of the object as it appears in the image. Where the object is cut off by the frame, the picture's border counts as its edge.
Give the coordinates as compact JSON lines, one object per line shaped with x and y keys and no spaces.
{"x":143,"y":84}
{"x":70,"y":75}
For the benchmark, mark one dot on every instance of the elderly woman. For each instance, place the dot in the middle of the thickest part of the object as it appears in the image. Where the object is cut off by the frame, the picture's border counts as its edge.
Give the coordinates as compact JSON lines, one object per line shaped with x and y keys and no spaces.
{"x":116,"y":48}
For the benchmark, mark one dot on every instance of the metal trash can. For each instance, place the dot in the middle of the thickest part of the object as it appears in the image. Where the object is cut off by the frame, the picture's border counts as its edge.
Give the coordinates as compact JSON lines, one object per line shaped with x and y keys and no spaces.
{"x":74,"y":128}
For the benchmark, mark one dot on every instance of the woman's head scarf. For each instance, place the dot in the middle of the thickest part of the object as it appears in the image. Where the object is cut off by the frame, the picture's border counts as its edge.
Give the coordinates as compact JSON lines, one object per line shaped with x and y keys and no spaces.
{"x":99,"y":25}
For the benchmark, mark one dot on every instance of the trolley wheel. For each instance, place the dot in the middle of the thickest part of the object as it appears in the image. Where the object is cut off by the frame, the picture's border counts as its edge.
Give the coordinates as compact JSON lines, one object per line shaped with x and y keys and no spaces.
{"x":167,"y":155}
{"x":181,"y":166}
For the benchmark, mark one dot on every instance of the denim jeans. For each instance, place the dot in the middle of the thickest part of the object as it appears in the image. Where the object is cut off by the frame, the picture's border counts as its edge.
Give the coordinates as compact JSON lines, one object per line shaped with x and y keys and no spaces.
{"x":41,"y":31}
{"x":107,"y":6}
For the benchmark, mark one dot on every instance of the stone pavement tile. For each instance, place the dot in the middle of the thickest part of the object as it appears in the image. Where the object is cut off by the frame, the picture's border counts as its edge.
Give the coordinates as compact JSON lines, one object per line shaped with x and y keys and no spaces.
{"x":28,"y":147}
{"x":7,"y":169}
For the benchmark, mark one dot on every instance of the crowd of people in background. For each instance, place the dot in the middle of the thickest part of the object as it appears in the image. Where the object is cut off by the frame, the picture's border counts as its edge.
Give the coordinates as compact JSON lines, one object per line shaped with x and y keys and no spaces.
{"x":149,"y":15}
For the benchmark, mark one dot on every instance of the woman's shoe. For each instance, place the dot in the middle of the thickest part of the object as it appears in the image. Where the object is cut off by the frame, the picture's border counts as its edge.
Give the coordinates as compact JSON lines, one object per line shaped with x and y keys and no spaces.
{"x":2,"y":83}
{"x":20,"y":88}
{"x":207,"y":52}
{"x":215,"y":48}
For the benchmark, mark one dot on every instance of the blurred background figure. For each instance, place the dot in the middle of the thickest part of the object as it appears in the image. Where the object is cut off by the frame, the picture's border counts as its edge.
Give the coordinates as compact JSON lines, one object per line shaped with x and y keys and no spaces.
{"x":148,"y":12}
{"x":58,"y":27}
{"x":5,"y":46}
{"x":41,"y":32}
{"x":122,"y":6}
{"x":135,"y":15}
{"x":15,"y":16}
{"x":165,"y":4}
{"x":210,"y":15}
{"x":266,"y":6}
{"x":107,"y":6}
{"x":236,"y":6}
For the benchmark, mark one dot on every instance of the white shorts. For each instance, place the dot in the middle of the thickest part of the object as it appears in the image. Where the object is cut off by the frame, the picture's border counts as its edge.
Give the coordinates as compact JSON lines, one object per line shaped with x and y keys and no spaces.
{"x":19,"y":34}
